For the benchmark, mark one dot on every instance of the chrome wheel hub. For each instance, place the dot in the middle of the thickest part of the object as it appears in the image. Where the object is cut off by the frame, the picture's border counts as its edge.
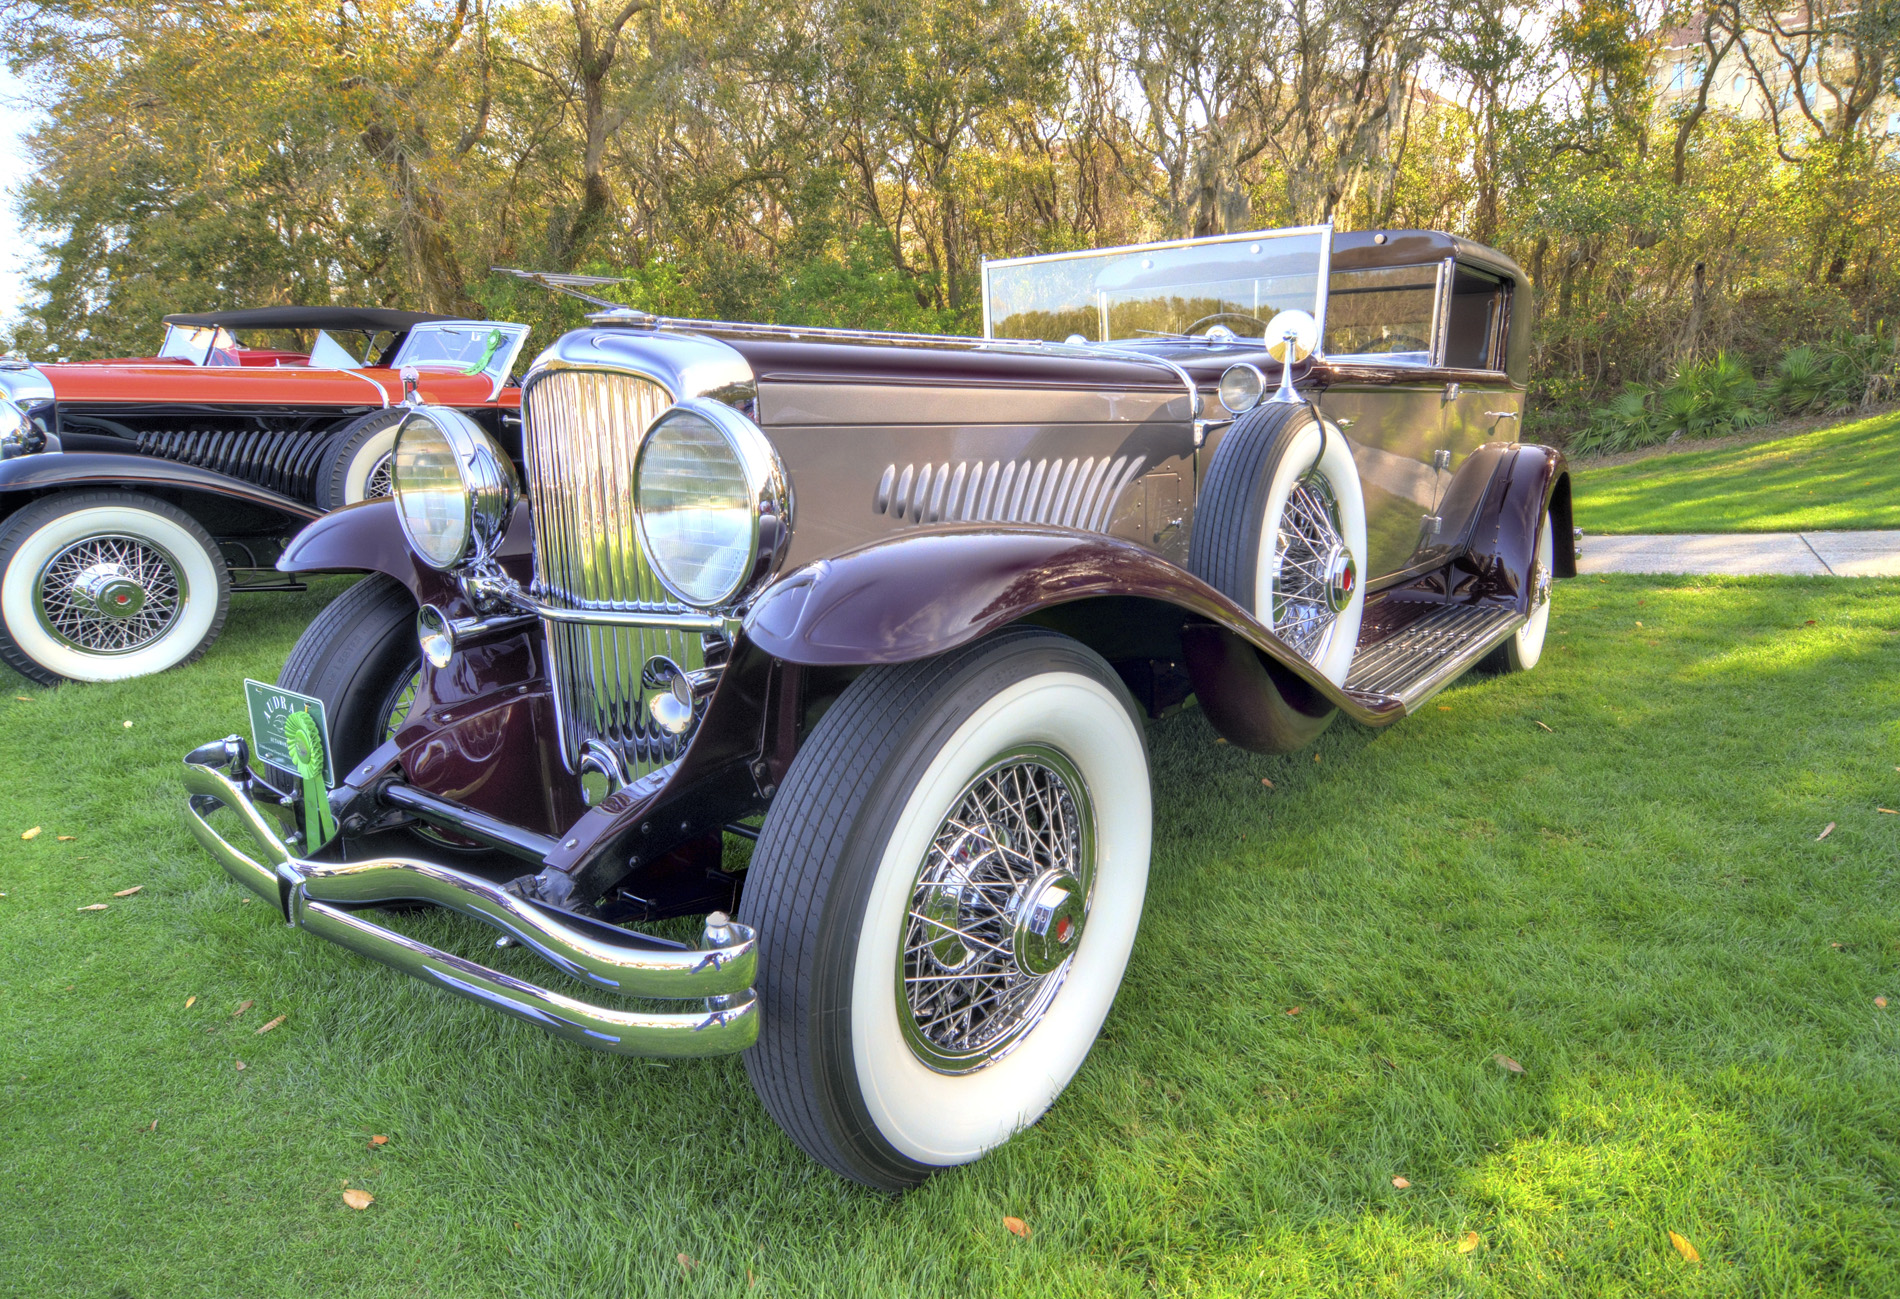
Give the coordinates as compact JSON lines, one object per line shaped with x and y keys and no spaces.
{"x":110,"y":595}
{"x":1314,"y":576}
{"x":111,"y":590}
{"x":997,"y":911}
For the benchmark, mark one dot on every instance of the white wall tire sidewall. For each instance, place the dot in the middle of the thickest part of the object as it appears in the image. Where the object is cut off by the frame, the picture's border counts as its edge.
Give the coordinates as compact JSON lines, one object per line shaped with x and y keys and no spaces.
{"x":197,"y":572}
{"x":939,"y":1119}
{"x":356,"y":474}
{"x":1527,"y":642}
{"x":1336,"y":466}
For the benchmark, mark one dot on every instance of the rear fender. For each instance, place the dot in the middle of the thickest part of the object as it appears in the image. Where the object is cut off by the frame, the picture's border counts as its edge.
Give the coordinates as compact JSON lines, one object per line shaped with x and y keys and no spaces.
{"x":1523,"y":482}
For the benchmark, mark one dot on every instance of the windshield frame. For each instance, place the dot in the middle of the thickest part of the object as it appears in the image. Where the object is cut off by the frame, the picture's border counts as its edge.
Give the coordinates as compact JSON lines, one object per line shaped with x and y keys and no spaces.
{"x":499,"y":366}
{"x":1323,"y":270}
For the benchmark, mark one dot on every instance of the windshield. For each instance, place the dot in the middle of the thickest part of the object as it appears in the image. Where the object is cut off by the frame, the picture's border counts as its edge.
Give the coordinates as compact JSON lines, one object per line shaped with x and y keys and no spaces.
{"x":470,"y":346}
{"x":1236,"y":281}
{"x":199,"y":344}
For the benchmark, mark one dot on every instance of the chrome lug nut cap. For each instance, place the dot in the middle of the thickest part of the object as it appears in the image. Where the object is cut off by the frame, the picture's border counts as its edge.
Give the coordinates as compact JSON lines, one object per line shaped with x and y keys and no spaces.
{"x":1049,"y":915}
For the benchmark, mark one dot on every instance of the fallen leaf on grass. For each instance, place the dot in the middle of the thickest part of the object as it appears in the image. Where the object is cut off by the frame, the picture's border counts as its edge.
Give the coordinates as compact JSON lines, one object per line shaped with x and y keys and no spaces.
{"x":378,"y":1140}
{"x":154,"y":1126}
{"x":1219,"y":740}
{"x":1505,"y":1062}
{"x":126,"y":893}
{"x":1316,"y":757}
{"x":128,"y":724}
{"x":1889,"y":811}
{"x":1266,"y":782}
{"x":1292,"y":1010}
{"x":1809,"y":623}
{"x":686,"y":1262}
{"x":358,"y":1199}
{"x":1684,"y":1248}
{"x":1540,"y":724}
{"x":1469,"y":1243}
{"x":240,"y":1064}
{"x":1639,"y":622}
{"x":97,"y":906}
{"x":1880,"y":1002}
{"x":1444,"y":708}
{"x":1825,"y":833}
{"x":23,"y":699}
{"x":245,"y":1005}
{"x":191,"y":1001}
{"x":273,"y":1024}
{"x":1400,"y":1182}
{"x":34,"y":833}
{"x":1017,"y":1227}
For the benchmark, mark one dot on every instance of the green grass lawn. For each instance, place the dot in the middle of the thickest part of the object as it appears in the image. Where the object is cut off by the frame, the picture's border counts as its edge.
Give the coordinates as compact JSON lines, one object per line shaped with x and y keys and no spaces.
{"x":1633,"y":904}
{"x":1843,"y":477}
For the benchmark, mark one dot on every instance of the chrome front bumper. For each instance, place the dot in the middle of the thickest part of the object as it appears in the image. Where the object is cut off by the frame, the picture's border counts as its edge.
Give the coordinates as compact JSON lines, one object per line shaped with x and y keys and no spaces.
{"x":324,"y":897}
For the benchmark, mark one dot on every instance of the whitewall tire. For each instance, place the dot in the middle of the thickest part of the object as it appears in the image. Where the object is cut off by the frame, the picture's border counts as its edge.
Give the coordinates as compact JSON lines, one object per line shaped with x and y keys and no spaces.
{"x":947,"y":891}
{"x":1281,"y":530}
{"x":360,"y":459}
{"x":104,"y":586}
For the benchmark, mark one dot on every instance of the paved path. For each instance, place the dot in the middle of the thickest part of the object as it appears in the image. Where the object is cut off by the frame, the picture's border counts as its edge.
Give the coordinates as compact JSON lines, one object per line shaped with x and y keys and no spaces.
{"x":1747,"y":554}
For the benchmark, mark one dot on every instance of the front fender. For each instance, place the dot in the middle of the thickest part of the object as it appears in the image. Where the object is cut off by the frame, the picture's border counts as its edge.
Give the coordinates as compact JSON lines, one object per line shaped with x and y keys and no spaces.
{"x":368,"y":538}
{"x":58,"y":471}
{"x":920,"y":595}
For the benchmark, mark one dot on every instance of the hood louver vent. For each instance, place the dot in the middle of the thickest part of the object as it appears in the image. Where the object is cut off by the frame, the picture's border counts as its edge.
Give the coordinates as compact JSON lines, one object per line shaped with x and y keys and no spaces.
{"x":1063,"y":493}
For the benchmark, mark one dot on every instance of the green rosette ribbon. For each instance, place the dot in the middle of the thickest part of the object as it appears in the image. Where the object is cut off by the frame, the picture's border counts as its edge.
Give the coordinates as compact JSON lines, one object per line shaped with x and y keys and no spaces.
{"x":495,"y":339}
{"x":305,"y":739}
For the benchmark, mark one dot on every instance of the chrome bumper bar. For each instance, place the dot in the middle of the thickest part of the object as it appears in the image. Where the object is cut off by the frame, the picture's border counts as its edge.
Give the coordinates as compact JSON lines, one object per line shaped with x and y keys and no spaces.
{"x":322,"y":897}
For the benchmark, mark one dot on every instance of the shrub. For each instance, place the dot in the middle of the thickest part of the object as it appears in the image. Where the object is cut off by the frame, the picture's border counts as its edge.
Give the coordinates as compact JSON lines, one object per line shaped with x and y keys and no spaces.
{"x":1702,"y":399}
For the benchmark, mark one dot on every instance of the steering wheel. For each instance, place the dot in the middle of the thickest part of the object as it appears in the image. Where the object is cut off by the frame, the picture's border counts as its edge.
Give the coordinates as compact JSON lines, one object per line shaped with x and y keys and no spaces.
{"x":1227,"y":315}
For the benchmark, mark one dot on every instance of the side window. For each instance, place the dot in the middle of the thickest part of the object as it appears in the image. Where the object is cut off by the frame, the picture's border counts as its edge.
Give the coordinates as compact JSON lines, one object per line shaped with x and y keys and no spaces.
{"x":1383,"y":313}
{"x":1474,"y":324}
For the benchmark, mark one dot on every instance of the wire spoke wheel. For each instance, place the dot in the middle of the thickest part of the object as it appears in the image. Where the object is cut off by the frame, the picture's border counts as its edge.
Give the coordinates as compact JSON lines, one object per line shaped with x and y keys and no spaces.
{"x":1306,"y":559}
{"x":996,"y":911}
{"x":381,"y":481}
{"x":110,"y":594}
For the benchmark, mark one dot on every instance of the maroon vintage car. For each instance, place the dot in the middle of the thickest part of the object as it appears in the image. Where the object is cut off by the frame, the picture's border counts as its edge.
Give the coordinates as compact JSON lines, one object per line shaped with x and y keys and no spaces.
{"x":895,"y":608}
{"x":136,"y":494}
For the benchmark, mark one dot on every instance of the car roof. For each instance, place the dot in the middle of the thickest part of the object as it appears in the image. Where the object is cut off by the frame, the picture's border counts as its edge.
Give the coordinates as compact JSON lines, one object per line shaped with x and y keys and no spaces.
{"x":1361,"y":249}
{"x":369,"y":320}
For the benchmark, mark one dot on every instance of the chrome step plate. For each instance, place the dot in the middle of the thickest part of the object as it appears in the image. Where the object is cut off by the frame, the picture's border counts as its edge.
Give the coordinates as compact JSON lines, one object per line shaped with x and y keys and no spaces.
{"x":1429,"y":652}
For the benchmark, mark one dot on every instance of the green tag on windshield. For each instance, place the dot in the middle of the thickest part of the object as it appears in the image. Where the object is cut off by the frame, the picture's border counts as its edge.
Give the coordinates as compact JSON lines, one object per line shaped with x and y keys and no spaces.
{"x":495,"y":339}
{"x":305,"y":737}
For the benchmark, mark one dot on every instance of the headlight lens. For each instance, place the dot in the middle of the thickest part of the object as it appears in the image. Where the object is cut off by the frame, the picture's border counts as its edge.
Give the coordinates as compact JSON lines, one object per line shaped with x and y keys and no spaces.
{"x":1241,"y":388}
{"x":454,"y":487}
{"x":710,"y":498}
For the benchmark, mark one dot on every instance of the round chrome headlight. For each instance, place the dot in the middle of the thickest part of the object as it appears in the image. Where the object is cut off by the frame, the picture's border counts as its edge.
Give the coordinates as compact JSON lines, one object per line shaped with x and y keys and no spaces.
{"x":711,"y":499}
{"x":455,"y":489}
{"x":1241,"y":387}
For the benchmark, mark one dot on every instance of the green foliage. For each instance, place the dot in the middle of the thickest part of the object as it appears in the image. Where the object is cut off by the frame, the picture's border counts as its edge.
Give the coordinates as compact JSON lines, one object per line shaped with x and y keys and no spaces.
{"x":1854,"y":370}
{"x":1701,"y":399}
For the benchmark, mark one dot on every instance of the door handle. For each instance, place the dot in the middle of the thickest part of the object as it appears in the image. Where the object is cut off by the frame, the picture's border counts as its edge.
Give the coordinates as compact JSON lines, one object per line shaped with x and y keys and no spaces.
{"x":1500,"y":414}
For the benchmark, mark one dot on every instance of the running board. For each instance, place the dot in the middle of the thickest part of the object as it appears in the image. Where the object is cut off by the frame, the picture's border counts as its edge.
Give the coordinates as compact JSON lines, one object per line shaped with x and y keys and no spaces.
{"x":1410,"y":650}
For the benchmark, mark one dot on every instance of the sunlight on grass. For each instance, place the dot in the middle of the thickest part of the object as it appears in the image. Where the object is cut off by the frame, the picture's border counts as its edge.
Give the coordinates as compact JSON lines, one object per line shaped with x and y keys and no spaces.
{"x":1632,"y":904}
{"x":1844,"y":477}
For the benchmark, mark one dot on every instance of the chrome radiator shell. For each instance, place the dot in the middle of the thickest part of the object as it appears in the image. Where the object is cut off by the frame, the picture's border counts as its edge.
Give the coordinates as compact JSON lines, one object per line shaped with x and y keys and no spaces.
{"x":582,"y":430}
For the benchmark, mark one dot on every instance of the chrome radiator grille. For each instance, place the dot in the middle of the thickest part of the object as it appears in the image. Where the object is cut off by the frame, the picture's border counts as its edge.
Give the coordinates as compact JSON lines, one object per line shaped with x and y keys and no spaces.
{"x":581,"y":430}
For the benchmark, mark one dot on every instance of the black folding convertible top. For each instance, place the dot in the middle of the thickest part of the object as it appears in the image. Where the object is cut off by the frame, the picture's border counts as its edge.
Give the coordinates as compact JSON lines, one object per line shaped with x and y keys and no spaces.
{"x":369,"y":320}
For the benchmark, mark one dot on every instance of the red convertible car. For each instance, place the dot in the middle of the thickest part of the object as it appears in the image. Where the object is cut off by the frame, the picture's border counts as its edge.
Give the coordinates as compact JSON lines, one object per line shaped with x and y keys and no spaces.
{"x":136,"y":494}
